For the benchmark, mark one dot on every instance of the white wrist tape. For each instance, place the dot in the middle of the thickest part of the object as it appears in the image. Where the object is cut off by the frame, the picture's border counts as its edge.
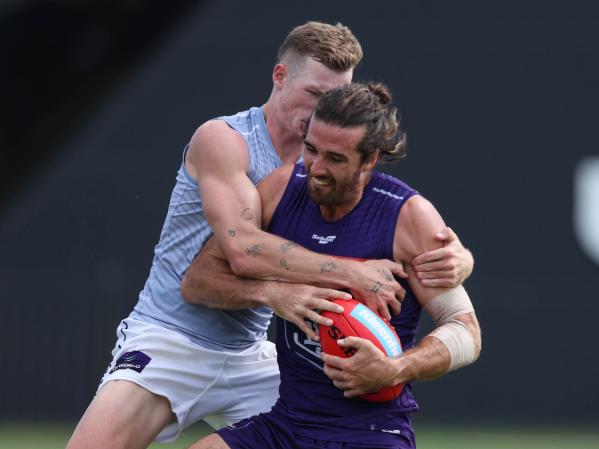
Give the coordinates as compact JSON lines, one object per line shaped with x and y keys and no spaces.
{"x":453,"y":333}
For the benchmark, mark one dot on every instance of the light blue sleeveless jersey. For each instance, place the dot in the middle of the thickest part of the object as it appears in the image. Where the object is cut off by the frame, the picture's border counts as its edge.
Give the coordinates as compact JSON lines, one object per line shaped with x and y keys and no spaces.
{"x":184,"y":232}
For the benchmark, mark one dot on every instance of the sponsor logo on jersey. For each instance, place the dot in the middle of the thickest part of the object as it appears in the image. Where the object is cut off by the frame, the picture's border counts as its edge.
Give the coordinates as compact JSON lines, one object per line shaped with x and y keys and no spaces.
{"x":384,"y":192}
{"x":323,"y":240}
{"x":135,"y":360}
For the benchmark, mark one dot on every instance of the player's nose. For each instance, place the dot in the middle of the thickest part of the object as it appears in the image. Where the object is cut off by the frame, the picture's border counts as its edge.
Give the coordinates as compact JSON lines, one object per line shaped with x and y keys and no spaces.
{"x":317,"y":168}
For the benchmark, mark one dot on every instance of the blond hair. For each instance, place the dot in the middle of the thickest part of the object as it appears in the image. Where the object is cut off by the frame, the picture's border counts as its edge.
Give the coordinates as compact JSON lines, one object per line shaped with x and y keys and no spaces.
{"x":335,"y":46}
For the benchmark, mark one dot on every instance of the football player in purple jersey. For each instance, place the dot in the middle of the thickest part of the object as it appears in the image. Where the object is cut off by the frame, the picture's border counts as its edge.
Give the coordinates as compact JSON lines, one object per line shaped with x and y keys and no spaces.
{"x":334,"y":202}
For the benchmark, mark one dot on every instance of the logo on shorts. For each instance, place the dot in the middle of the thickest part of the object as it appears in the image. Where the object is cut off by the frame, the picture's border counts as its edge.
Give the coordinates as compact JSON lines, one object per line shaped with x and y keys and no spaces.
{"x":241,"y":424}
{"x":135,"y":360}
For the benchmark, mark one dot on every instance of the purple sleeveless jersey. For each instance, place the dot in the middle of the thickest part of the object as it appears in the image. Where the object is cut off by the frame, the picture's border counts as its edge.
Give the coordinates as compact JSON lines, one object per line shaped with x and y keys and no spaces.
{"x":366,"y":232}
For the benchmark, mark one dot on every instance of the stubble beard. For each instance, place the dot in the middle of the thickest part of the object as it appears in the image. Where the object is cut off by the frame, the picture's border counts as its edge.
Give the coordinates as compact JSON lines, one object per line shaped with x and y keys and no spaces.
{"x":337,"y":194}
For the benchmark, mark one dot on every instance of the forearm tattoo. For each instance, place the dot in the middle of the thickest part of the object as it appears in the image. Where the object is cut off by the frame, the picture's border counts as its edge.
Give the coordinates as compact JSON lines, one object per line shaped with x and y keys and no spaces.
{"x":284,"y":264}
{"x":287,"y":246}
{"x":232,"y":233}
{"x":254,"y":250}
{"x":247,"y":214}
{"x":327,"y":267}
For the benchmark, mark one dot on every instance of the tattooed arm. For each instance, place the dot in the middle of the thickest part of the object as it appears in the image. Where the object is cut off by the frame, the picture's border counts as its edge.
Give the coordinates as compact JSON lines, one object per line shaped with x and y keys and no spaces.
{"x":218,"y":160}
{"x":210,"y":282}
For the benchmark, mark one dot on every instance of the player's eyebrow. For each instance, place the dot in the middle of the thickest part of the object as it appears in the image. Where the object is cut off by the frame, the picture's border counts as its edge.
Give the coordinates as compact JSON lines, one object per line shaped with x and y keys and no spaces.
{"x":328,"y":152}
{"x":337,"y":155}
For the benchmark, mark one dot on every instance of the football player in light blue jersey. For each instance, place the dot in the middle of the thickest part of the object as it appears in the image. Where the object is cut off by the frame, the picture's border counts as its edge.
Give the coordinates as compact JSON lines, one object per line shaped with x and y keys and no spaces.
{"x":176,"y":362}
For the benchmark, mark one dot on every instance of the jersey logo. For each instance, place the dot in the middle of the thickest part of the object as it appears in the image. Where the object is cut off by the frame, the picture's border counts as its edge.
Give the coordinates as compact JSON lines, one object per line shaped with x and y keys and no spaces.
{"x":323,"y":240}
{"x":302,"y":345}
{"x":384,"y":192}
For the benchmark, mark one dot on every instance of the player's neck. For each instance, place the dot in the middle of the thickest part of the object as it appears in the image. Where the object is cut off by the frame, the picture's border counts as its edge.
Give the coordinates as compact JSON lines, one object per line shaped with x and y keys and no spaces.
{"x":335,"y":213}
{"x":288,"y":147}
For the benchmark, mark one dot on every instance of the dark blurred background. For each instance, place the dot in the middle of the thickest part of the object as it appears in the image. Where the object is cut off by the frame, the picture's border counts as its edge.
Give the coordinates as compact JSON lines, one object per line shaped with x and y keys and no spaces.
{"x":498,"y":99}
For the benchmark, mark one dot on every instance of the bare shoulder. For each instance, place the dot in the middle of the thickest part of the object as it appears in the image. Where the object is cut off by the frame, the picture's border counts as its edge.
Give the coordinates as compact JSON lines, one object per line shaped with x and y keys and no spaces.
{"x":417,"y":224}
{"x":215,"y":147}
{"x":276,"y":179}
{"x":271,"y":191}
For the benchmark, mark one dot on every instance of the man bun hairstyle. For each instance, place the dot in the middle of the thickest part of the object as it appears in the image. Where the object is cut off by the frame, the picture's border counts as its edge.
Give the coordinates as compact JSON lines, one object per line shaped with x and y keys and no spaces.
{"x":335,"y":46}
{"x":370,"y":104}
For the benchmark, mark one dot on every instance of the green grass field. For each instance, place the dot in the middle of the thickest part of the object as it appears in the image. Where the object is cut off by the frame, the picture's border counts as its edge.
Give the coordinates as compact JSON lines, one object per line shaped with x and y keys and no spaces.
{"x":55,"y":436}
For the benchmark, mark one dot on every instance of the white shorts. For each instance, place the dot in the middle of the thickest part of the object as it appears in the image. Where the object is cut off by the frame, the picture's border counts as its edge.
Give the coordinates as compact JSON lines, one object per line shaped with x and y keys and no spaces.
{"x":217,"y":386}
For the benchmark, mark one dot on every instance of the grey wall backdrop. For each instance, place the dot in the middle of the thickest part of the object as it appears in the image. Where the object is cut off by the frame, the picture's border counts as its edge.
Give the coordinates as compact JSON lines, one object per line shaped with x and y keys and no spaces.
{"x":499,"y":104}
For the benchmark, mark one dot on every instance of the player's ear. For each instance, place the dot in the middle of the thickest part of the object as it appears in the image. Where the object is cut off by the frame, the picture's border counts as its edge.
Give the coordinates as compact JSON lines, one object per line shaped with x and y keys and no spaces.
{"x":279,"y":74}
{"x":371,"y":161}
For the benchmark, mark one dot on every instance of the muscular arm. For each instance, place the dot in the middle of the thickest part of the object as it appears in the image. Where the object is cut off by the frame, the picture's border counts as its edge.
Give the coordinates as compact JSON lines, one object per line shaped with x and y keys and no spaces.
{"x":448,"y":266}
{"x":211,"y":283}
{"x":369,"y":369}
{"x":218,"y":159}
{"x":417,"y":226}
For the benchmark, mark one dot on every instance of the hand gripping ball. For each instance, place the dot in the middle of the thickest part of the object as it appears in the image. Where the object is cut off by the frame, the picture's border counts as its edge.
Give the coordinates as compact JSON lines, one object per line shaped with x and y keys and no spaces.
{"x":359,"y":321}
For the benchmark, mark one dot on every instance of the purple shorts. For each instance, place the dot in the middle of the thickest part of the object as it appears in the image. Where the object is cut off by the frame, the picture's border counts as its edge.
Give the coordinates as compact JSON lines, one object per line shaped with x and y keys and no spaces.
{"x":278,"y":429}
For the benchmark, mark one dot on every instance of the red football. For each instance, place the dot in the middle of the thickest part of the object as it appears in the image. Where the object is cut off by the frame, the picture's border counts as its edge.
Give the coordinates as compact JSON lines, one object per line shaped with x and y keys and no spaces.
{"x":359,"y":321}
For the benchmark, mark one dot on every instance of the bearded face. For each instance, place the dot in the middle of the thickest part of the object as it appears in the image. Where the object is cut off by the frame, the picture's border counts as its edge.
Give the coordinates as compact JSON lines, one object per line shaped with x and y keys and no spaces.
{"x":336,"y":175}
{"x":331,"y":190}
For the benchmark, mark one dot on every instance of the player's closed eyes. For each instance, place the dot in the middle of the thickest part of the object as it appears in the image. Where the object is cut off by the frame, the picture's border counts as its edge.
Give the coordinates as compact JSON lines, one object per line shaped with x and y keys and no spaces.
{"x":336,"y":159}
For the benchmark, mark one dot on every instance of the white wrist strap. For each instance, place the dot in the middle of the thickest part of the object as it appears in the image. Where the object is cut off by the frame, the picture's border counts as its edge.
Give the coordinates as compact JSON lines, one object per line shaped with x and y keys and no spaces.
{"x":453,"y":333}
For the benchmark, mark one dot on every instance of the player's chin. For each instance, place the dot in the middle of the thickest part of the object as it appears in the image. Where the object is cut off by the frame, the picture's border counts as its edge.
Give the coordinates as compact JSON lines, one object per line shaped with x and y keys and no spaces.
{"x":321,"y":194}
